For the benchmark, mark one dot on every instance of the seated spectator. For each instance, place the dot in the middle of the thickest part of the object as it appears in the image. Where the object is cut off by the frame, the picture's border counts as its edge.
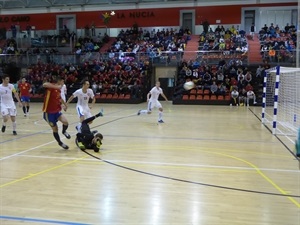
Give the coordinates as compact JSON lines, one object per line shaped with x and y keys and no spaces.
{"x":248,"y":77}
{"x":221,"y":89}
{"x":206,"y":80}
{"x":249,"y":87}
{"x":234,"y":97}
{"x":213,"y":88}
{"x":242,"y":97}
{"x":251,"y":95}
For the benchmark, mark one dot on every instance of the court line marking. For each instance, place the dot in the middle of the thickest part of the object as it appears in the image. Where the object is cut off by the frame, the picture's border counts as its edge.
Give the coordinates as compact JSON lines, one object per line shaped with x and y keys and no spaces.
{"x":188,"y":181}
{"x":165,"y":164}
{"x":28,"y":150}
{"x":31,"y":175}
{"x":40,"y":220}
{"x":262,"y":175}
{"x":257,"y":169}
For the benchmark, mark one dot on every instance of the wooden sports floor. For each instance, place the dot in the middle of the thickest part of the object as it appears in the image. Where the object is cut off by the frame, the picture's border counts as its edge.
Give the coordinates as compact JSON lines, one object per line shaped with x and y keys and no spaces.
{"x":205,"y":165}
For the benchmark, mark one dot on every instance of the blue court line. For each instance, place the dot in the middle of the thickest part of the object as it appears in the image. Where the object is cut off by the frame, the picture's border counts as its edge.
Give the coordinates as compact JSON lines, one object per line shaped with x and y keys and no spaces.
{"x":40,"y":220}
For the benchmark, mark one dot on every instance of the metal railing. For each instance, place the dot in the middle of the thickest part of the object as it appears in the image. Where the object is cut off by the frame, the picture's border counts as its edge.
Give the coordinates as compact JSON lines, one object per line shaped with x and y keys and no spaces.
{"x":164,"y":59}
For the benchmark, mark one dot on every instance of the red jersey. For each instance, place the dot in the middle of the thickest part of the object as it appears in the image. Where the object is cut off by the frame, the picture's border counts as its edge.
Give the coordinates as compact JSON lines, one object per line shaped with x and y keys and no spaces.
{"x":24,"y":89}
{"x":52,"y":101}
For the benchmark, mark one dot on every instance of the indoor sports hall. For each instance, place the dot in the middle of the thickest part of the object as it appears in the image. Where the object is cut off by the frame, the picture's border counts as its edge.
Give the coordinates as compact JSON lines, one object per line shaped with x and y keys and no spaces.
{"x":204,"y":165}
{"x":221,"y":151}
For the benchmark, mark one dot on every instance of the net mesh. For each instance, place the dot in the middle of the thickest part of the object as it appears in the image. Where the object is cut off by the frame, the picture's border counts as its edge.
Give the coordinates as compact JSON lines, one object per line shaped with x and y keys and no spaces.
{"x":288,"y":110}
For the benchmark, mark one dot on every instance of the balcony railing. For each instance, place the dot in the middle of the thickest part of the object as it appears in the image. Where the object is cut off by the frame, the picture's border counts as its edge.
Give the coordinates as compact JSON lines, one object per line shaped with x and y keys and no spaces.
{"x":164,"y":59}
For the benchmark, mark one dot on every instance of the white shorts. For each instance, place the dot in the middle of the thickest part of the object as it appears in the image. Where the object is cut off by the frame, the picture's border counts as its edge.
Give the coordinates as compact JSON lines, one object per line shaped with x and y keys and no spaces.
{"x":153,"y":104}
{"x":8,"y":110}
{"x":83,"y":111}
{"x":63,"y":97}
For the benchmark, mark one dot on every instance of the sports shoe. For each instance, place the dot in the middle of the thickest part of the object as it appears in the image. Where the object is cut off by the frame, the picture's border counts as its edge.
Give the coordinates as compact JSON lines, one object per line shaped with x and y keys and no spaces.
{"x":94,"y":132}
{"x":25,"y":115}
{"x":81,"y":146}
{"x":161,"y":121}
{"x":64,"y":146}
{"x":3,"y":129}
{"x":100,"y":113}
{"x":14,"y":132}
{"x":67,"y":135}
{"x":254,"y":103}
{"x":139,"y":112}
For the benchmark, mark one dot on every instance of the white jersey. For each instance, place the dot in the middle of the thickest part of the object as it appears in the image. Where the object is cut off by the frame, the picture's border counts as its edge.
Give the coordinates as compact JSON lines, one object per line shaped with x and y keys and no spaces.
{"x":155,"y":92}
{"x":250,"y":93}
{"x":6,"y":95}
{"x":83,"y":98}
{"x":153,"y":101}
{"x":63,"y":92}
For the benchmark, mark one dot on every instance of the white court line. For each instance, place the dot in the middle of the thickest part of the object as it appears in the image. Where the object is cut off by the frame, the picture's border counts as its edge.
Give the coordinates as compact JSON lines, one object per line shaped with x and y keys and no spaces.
{"x":28,"y":150}
{"x":19,"y":153}
{"x":164,"y":164}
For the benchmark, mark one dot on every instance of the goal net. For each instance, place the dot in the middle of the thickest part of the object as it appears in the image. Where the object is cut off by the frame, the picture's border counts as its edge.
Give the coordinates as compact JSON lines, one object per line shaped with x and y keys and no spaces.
{"x":281,"y":100}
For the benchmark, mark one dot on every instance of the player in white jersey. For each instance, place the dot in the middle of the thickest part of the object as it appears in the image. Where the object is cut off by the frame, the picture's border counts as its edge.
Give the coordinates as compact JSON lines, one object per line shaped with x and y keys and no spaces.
{"x":83,"y":95}
{"x":153,"y":102}
{"x":63,"y":91}
{"x":8,"y":107}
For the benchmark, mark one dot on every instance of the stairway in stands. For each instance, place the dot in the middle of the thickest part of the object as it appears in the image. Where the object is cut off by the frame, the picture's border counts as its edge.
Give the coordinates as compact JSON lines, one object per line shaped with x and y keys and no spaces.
{"x":254,"y":50}
{"x":191,"y":48}
{"x":107,"y":45}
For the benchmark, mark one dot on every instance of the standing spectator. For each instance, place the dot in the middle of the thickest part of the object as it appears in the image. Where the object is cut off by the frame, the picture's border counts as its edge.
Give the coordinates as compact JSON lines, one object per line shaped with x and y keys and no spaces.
{"x":259,"y":71}
{"x":8,"y":107}
{"x":28,"y":29}
{"x":252,"y":31}
{"x":13,"y":30}
{"x":25,"y":89}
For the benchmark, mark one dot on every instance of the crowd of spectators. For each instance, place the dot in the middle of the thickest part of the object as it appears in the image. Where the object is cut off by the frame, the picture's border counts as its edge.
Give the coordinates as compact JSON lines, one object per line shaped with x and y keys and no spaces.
{"x":230,"y":43}
{"x":218,"y":79}
{"x":107,"y":76}
{"x":278,"y":45}
{"x":156,"y":44}
{"x":121,"y":72}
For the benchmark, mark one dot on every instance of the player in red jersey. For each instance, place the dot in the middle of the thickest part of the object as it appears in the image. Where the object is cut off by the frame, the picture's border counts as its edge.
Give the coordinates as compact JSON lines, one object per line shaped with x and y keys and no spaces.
{"x":52,"y":109}
{"x":25,"y":89}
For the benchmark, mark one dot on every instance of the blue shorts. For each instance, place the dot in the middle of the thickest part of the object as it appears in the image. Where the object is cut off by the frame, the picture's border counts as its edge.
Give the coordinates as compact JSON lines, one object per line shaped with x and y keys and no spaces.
{"x":51,"y":118}
{"x":25,"y":99}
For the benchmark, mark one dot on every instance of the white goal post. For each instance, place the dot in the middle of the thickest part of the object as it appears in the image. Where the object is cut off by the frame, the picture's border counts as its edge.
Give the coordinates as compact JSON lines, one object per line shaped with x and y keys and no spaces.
{"x":281,"y":100}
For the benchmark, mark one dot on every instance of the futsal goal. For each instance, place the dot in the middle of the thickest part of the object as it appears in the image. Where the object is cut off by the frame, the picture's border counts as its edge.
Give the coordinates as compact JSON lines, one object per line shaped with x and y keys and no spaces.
{"x":281,"y":100}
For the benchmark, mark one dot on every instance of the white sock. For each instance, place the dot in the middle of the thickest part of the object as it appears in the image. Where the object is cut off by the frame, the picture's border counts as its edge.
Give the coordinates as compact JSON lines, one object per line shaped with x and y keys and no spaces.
{"x":14,"y":125}
{"x":144,"y":111}
{"x":78,"y":127}
{"x":160,"y":114}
